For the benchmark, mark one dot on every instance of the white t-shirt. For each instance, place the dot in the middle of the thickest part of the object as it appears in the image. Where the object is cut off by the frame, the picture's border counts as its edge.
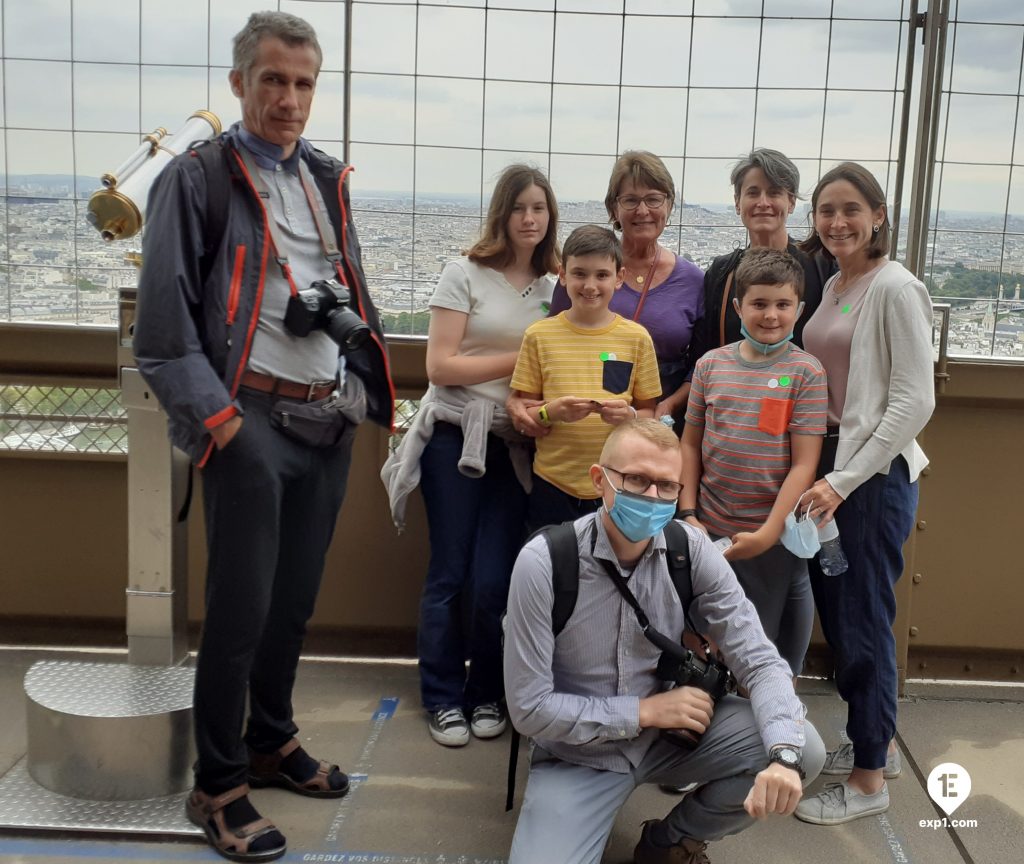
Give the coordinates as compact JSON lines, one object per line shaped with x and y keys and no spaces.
{"x":498,"y":314}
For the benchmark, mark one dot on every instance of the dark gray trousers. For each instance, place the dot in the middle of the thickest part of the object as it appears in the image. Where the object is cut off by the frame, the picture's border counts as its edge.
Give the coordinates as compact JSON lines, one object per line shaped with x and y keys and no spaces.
{"x":271,"y":504}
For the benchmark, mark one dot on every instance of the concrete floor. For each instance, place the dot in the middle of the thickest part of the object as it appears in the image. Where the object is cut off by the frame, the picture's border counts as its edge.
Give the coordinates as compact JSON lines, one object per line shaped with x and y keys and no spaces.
{"x":418,"y":803}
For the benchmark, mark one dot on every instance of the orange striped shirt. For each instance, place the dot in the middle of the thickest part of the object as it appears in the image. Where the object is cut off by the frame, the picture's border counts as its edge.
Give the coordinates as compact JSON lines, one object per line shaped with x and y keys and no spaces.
{"x":748,"y":410}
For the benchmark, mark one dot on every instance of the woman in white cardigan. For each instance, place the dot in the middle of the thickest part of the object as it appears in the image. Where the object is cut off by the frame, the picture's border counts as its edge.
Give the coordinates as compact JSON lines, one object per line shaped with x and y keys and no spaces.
{"x":872,"y":333}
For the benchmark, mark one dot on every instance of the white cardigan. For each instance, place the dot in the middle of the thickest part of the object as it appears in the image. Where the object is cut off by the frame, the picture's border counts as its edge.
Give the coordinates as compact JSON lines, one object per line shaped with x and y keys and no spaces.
{"x":890,"y":394}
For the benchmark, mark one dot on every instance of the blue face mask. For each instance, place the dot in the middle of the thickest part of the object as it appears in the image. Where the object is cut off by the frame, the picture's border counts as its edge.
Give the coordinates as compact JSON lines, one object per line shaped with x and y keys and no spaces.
{"x":800,"y":535}
{"x":639,"y":517}
{"x":763,"y":347}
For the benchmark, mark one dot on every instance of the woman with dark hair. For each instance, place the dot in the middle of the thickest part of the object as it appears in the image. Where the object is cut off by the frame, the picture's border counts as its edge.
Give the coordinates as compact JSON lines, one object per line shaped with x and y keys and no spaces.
{"x":872,"y":333}
{"x":662,"y":290}
{"x":766,"y":185}
{"x":468,"y":460}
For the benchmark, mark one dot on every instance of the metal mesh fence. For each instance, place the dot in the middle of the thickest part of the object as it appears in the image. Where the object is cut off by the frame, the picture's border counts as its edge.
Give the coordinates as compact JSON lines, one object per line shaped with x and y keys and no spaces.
{"x":62,"y":419}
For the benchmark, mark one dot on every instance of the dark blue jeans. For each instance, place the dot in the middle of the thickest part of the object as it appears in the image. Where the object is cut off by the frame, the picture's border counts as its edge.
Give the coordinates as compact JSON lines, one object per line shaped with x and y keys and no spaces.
{"x":857,"y":609}
{"x":476,"y":532}
{"x":549,"y":505}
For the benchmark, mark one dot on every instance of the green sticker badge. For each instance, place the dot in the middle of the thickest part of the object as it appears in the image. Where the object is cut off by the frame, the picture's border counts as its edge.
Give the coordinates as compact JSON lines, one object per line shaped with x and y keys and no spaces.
{"x":846,"y":309}
{"x":545,"y":307}
{"x":785,"y":381}
{"x":608,"y":355}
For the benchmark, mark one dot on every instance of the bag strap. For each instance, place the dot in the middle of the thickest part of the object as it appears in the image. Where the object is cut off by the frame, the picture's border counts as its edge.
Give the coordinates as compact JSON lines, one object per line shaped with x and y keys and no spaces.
{"x":725,"y":307}
{"x":218,"y":195}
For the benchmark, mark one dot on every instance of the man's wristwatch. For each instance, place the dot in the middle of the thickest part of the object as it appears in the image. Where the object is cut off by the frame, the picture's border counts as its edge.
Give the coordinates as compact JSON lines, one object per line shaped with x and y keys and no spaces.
{"x":790,"y":757}
{"x":685,"y":514}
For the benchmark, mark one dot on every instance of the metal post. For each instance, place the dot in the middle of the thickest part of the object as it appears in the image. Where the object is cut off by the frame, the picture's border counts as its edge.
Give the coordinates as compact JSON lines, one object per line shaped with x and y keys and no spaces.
{"x":157,"y":592}
{"x":936,"y":20}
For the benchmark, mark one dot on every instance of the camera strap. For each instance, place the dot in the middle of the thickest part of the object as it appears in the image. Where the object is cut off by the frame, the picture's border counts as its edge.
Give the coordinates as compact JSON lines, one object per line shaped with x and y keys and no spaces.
{"x":657,"y":638}
{"x":316,"y":205}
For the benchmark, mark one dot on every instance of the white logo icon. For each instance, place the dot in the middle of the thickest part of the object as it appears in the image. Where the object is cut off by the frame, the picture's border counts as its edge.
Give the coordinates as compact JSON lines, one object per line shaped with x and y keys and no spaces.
{"x":949,"y":785}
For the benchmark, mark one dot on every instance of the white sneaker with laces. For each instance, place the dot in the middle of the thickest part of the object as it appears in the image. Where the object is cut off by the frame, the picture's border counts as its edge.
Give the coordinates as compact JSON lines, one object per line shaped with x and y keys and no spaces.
{"x":839,"y":802}
{"x":840,"y":761}
{"x":488,"y":720}
{"x":448,"y":727}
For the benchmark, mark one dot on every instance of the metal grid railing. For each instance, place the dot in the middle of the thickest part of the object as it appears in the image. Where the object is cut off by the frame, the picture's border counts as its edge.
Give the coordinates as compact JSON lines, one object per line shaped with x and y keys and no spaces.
{"x":431,"y":99}
{"x":62,"y":419}
{"x":976,"y":258}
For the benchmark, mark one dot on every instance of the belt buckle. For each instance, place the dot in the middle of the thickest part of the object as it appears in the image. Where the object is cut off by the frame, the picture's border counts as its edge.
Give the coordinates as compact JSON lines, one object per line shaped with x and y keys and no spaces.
{"x":313,"y":387}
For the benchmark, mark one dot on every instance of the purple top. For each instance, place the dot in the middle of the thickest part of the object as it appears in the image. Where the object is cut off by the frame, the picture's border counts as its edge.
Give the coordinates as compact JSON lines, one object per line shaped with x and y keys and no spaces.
{"x":670,"y":310}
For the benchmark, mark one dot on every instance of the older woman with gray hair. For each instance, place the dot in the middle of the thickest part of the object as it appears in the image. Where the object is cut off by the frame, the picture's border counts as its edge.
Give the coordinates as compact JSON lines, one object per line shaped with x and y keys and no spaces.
{"x":765,"y":185}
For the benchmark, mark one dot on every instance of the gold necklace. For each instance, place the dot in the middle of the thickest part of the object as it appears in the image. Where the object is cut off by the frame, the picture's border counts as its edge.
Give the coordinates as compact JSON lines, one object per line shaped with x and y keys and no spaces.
{"x":640,"y":279}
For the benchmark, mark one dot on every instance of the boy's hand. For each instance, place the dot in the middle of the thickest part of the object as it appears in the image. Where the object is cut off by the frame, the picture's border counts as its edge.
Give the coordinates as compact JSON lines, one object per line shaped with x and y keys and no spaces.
{"x":696,"y":523}
{"x":616,"y":411}
{"x":569,"y":409}
{"x":747,"y":544}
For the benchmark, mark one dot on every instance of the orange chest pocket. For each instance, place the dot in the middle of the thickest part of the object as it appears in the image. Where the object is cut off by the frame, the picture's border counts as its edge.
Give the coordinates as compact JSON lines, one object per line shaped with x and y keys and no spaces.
{"x":775,"y":415}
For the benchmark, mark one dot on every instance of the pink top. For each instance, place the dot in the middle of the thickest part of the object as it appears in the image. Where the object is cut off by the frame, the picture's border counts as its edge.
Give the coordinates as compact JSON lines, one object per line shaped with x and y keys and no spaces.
{"x":829,"y":334}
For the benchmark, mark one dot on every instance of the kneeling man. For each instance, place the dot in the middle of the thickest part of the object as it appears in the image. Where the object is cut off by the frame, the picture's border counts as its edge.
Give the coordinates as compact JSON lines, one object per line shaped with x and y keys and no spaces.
{"x":592,"y":702}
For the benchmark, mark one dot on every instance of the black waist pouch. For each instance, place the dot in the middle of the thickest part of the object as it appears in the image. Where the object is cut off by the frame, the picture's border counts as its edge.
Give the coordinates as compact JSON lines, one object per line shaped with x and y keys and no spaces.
{"x":322,"y":423}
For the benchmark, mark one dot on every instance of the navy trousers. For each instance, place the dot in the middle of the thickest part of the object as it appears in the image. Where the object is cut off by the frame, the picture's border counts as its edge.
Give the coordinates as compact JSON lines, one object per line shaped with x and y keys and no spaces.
{"x":857,"y":608}
{"x":271,"y":504}
{"x":549,"y":505}
{"x":476,"y":531}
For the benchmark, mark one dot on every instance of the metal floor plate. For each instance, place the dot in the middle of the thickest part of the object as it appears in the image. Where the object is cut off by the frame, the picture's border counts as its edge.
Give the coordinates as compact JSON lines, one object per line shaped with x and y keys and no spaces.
{"x":88,"y":689}
{"x":26,"y":804}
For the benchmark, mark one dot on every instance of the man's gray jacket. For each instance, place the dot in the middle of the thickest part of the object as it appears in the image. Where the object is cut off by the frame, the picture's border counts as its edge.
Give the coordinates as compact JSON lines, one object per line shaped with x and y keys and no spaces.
{"x":198,"y":308}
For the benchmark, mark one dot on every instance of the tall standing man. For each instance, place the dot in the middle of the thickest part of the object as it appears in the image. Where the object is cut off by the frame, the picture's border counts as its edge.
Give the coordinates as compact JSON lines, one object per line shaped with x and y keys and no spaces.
{"x":590,"y":696}
{"x":265,"y":368}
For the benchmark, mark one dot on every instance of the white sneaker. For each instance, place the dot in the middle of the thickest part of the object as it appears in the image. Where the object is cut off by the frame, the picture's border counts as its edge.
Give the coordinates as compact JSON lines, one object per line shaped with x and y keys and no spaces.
{"x":841,"y":762}
{"x":489,"y":720}
{"x":839,"y":803}
{"x":448,"y":727}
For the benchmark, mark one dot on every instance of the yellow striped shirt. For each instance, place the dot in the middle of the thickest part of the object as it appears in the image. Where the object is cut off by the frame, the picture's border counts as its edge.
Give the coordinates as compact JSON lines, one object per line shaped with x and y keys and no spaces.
{"x":559,"y":359}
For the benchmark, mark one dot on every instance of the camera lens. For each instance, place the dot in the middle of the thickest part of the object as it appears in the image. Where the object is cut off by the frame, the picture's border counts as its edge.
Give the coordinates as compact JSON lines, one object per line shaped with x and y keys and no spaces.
{"x":346,"y":328}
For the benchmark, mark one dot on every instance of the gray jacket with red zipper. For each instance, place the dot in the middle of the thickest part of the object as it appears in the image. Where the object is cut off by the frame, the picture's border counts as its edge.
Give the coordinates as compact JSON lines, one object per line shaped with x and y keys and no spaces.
{"x":197,"y":307}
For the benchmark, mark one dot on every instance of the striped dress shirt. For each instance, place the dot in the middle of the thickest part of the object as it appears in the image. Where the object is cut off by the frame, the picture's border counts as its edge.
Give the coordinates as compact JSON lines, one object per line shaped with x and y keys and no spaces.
{"x":578,"y":695}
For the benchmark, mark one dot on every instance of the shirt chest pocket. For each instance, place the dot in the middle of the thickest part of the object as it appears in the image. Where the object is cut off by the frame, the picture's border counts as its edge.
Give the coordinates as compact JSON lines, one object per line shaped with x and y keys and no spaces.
{"x":774,"y":416}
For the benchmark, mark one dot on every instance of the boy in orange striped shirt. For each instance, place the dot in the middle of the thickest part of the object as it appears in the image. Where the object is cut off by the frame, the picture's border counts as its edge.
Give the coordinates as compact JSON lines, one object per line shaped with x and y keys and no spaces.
{"x":754,"y":428}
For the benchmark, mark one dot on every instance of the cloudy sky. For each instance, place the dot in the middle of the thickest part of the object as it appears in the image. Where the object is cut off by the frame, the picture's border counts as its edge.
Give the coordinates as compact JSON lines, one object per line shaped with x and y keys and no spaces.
{"x":696,"y":82}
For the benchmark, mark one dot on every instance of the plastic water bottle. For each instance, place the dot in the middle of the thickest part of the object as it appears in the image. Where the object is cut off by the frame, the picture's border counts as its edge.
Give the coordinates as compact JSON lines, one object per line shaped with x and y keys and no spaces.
{"x":831,"y":558}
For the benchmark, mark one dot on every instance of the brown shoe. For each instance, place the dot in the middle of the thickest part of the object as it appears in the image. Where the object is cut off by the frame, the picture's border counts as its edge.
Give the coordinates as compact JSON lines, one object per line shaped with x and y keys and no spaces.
{"x":234,"y":844}
{"x":686,"y":852}
{"x":265,"y":770}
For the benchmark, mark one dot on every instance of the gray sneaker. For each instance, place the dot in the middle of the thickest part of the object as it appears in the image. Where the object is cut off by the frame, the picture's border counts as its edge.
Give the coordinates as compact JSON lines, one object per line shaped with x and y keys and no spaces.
{"x":488,"y":720}
{"x":838,"y":803}
{"x":448,"y":726}
{"x":841,"y":762}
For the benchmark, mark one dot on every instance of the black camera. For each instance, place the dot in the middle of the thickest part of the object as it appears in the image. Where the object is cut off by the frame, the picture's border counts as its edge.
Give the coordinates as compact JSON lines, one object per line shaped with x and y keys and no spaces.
{"x":683,"y":668}
{"x":324,"y":305}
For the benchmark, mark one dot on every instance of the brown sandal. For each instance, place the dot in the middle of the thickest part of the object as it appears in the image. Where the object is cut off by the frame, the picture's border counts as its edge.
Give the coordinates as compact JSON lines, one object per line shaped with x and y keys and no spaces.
{"x":208,"y":813}
{"x":265,"y":770}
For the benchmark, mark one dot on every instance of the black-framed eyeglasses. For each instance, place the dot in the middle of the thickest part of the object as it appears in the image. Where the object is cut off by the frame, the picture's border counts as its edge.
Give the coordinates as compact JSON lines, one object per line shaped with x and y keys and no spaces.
{"x":638,"y":484}
{"x":631,"y":202}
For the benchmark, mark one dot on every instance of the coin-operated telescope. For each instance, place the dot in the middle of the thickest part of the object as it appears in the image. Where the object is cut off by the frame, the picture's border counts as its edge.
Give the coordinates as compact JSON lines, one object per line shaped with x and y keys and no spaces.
{"x":118,"y":210}
{"x":157,"y":473}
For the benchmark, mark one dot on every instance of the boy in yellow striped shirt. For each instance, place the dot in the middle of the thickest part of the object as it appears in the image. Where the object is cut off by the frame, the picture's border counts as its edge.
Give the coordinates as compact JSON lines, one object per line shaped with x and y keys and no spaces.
{"x":588,"y":369}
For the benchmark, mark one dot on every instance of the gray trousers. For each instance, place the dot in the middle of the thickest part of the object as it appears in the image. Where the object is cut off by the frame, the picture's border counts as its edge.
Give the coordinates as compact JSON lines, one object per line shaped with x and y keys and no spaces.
{"x":776,"y":582}
{"x":568,"y":810}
